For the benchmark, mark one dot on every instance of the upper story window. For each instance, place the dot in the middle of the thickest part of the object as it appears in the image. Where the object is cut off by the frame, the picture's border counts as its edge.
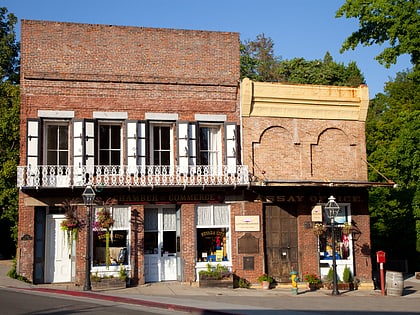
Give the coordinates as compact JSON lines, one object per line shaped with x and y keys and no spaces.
{"x":161,"y":145}
{"x":210,"y":145}
{"x":56,"y":150}
{"x":161,"y":140}
{"x":110,"y":145}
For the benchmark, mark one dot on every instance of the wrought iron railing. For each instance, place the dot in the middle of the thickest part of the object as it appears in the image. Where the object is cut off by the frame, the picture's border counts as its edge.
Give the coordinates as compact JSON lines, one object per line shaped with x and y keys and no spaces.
{"x":46,"y":176}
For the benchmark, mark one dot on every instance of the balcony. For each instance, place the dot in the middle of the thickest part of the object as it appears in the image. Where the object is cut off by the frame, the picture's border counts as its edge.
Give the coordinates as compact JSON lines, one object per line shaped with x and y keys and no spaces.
{"x":47,"y":176}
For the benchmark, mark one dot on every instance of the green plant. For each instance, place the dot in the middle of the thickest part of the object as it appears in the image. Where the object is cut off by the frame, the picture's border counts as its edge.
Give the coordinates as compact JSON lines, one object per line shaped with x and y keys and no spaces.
{"x":347,"y":276}
{"x":243,"y":283}
{"x":123,"y":273}
{"x":330,"y":276}
{"x":312,"y":278}
{"x":215,"y":273}
{"x":265,"y":277}
{"x":13,"y":274}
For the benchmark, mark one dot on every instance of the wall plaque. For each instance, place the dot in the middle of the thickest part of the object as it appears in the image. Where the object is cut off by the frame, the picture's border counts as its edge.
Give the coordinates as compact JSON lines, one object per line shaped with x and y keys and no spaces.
{"x":248,"y":262}
{"x":247,"y":223}
{"x":248,"y":244}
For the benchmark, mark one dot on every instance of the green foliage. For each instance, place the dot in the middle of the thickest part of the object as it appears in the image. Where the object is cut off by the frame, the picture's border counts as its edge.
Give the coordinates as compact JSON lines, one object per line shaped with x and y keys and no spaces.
{"x":392,"y":138}
{"x":215,"y":273}
{"x":265,"y":277}
{"x":9,"y":47}
{"x":123,"y":273}
{"x":9,"y":129}
{"x":12,"y":273}
{"x":392,"y":22}
{"x":347,"y":276}
{"x":243,"y":283}
{"x":259,"y":63}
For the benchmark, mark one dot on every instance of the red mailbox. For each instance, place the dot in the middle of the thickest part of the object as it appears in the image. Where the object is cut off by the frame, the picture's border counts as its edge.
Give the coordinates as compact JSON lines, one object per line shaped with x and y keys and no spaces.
{"x":380,"y":257}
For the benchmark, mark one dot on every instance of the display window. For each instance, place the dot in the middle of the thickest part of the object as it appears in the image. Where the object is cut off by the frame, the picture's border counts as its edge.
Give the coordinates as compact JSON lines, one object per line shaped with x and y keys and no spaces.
{"x":343,"y":242}
{"x":119,"y":238}
{"x":213,"y":233}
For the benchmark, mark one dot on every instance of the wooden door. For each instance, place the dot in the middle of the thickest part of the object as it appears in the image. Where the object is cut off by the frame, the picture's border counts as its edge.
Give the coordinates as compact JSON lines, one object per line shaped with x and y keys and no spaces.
{"x":281,"y":239}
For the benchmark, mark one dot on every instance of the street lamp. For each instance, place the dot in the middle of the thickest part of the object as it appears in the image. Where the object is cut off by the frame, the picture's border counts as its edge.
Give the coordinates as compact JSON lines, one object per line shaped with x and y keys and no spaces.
{"x":88,"y":197}
{"x":332,"y":209}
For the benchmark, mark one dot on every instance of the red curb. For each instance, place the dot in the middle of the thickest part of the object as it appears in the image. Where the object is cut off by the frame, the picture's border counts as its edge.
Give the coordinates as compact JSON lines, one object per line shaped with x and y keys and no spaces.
{"x":92,"y":295}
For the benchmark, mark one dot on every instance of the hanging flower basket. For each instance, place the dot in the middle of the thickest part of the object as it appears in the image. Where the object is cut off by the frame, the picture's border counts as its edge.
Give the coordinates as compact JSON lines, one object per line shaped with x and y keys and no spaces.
{"x":71,"y":225}
{"x":347,"y":228}
{"x":319,"y":229}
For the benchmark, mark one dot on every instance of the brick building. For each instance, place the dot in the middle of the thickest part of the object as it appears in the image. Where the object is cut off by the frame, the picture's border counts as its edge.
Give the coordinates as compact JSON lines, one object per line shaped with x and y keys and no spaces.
{"x":194,"y":167}
{"x":303,"y":144}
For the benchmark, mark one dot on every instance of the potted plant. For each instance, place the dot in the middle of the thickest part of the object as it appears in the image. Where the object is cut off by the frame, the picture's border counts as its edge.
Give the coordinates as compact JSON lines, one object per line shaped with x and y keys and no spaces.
{"x":313,"y":280}
{"x":265,"y":281}
{"x":348,"y":283}
{"x":218,"y":276}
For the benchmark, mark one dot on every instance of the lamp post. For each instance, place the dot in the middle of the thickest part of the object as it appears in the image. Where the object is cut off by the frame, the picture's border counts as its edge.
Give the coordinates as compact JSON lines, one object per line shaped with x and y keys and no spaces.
{"x":88,"y":197}
{"x":332,"y":209}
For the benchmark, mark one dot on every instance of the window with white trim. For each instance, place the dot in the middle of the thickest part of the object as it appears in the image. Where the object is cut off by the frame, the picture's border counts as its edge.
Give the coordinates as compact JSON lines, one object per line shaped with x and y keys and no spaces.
{"x":210,"y":145}
{"x":161,"y":144}
{"x":56,"y":143}
{"x":110,"y":144}
{"x":213,"y":233}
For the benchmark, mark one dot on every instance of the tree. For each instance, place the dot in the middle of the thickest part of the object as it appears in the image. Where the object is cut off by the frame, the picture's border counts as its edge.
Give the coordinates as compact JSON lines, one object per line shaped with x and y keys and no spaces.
{"x":259,"y":63}
{"x":395,"y":22}
{"x":393,"y":135}
{"x":9,"y":131}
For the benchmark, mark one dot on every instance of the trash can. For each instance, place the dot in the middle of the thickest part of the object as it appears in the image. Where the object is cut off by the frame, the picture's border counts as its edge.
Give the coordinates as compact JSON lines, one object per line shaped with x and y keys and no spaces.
{"x":394,"y":283}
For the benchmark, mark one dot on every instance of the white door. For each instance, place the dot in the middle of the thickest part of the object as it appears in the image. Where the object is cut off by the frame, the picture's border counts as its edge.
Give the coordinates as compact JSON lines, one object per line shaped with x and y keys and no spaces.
{"x":160,"y":244}
{"x":58,"y":255}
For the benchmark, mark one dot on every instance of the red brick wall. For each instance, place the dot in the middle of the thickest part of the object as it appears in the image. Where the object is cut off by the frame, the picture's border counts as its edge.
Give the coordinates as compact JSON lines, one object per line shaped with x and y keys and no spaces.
{"x":86,"y":68}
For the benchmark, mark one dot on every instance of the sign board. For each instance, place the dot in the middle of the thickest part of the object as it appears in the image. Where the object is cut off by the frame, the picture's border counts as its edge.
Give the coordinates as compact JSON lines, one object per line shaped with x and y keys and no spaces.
{"x":380,"y":257}
{"x":317,"y":213}
{"x":250,"y":223}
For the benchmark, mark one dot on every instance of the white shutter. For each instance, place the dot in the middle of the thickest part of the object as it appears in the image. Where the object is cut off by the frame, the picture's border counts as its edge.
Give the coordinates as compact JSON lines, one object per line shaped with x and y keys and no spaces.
{"x":78,"y":152}
{"x":183,"y":150}
{"x":141,"y":145}
{"x":132,"y":133}
{"x":231,"y":152}
{"x":89,"y":145}
{"x":32,"y":154}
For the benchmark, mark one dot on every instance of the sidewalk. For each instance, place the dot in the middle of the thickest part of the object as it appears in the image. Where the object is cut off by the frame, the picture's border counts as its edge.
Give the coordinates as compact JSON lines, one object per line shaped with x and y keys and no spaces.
{"x":189,"y":298}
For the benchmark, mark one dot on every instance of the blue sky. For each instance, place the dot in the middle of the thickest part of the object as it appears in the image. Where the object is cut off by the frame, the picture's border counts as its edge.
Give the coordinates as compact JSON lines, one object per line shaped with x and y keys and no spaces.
{"x":298,"y":28}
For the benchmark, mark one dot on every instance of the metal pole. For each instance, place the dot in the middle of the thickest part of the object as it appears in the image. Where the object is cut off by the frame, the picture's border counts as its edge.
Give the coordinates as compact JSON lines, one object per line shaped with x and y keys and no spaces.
{"x":335,"y":288}
{"x":88,"y":286}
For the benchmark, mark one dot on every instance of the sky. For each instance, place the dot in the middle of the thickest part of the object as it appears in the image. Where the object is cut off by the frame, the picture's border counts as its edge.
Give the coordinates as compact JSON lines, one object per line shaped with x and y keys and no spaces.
{"x":298,"y":28}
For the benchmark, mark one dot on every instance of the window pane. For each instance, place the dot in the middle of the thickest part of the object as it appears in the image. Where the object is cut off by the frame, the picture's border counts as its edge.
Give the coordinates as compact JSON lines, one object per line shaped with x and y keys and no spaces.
{"x":165,"y":158}
{"x":169,"y":242}
{"x":165,"y":138}
{"x":156,"y":138}
{"x":204,"y":158}
{"x":104,"y":137}
{"x":51,"y":158}
{"x":63,"y":137}
{"x":117,"y":248}
{"x":115,"y":157}
{"x":63,"y":158}
{"x":52,"y":137}
{"x":150,"y":242}
{"x":204,"y":138}
{"x":103,"y":158}
{"x":211,"y":244}
{"x":115,"y":137}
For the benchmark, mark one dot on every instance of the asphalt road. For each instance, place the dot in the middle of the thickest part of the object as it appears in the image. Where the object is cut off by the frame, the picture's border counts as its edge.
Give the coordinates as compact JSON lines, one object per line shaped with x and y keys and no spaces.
{"x":14,"y":302}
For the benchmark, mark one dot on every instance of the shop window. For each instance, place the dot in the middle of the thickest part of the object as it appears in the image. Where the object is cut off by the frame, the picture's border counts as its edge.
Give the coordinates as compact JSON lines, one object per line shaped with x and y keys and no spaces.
{"x":343,"y":239}
{"x":119,"y":239}
{"x":213,"y":234}
{"x":110,"y":148}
